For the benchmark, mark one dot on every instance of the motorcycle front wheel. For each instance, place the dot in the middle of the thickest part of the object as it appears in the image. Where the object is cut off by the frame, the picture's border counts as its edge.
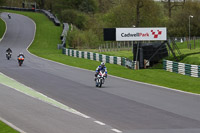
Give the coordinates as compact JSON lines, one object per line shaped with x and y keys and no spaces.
{"x":100,"y":83}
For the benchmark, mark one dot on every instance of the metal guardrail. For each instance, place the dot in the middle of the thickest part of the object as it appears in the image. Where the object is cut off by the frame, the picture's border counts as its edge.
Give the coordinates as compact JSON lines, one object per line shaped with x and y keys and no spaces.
{"x":65,"y":30}
{"x":50,"y":16}
{"x":63,"y":36}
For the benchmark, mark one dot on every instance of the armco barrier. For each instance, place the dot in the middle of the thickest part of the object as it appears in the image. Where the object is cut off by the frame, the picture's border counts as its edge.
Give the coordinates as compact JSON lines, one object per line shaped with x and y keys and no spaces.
{"x":65,"y":30}
{"x":63,"y":36}
{"x":182,"y":68}
{"x":99,"y":57}
{"x":51,"y":17}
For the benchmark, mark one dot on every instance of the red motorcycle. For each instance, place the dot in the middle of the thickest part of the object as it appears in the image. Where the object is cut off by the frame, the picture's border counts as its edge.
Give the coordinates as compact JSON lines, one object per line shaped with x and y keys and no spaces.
{"x":20,"y":60}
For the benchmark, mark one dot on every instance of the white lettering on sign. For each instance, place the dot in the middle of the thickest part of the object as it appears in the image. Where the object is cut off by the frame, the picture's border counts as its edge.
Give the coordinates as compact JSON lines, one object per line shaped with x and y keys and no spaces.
{"x":141,"y":34}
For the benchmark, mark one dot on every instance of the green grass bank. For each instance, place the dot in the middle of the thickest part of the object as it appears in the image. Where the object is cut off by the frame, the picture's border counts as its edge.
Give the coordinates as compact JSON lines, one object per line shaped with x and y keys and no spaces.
{"x":6,"y":129}
{"x":45,"y":45}
{"x":2,"y":28}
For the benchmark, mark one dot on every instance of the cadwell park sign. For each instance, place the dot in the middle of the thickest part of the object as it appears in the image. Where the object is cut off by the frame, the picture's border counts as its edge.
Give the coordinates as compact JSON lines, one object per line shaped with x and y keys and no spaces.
{"x":135,"y":34}
{"x":141,"y":34}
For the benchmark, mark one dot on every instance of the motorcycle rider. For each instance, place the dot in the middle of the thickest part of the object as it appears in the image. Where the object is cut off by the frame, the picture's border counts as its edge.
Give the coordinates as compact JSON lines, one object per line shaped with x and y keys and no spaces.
{"x":100,"y":68}
{"x":9,"y":15}
{"x":9,"y":51}
{"x":21,"y":54}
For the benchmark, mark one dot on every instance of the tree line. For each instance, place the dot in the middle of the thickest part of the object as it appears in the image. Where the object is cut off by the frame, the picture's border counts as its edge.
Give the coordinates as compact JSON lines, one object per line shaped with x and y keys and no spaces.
{"x":89,"y":17}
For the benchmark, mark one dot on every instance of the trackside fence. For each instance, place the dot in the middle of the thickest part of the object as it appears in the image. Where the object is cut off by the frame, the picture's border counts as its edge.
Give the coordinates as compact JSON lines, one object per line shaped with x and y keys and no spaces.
{"x":181,"y":68}
{"x":99,"y":57}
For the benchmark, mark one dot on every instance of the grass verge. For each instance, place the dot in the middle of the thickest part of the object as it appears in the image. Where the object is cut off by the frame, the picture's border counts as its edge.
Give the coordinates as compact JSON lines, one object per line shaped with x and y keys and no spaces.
{"x":6,"y":129}
{"x":43,"y":47}
{"x":2,"y":28}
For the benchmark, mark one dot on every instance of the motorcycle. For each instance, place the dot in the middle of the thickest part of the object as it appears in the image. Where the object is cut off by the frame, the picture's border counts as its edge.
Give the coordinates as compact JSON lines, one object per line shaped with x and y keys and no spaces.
{"x":20,"y":60}
{"x":8,"y":55}
{"x":100,"y":78}
{"x":9,"y":16}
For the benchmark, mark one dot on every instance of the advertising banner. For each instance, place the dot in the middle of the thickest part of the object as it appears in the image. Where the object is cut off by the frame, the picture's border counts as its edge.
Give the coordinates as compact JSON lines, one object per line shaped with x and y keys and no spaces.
{"x":141,"y":34}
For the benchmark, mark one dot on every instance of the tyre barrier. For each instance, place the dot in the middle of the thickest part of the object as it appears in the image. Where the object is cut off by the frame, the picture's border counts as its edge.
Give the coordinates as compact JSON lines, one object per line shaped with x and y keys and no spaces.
{"x":99,"y":57}
{"x":181,"y":68}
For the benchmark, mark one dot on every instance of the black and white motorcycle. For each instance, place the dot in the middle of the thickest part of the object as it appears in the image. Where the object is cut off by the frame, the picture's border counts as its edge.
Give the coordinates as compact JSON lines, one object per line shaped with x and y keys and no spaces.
{"x":8,"y":55}
{"x":100,"y":79}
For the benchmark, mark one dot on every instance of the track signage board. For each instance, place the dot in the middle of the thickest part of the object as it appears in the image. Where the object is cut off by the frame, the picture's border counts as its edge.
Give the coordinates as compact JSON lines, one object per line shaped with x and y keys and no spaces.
{"x":141,"y":34}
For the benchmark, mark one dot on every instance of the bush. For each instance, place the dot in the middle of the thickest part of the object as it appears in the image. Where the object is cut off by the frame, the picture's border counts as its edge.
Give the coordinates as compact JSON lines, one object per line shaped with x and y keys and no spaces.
{"x":75,"y":17}
{"x":82,"y":39}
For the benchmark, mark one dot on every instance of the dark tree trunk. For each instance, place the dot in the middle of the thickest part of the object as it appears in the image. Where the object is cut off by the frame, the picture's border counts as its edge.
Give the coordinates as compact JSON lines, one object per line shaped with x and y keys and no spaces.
{"x":170,"y":8}
{"x":139,"y":5}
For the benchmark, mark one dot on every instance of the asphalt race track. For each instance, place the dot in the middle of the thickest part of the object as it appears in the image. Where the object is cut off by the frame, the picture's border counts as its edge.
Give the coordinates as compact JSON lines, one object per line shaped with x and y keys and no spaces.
{"x":128,"y":106}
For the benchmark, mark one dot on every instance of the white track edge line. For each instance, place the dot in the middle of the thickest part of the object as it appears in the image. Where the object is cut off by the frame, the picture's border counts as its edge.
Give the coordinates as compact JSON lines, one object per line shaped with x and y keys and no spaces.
{"x":12,"y":126}
{"x":116,"y":130}
{"x":100,"y":123}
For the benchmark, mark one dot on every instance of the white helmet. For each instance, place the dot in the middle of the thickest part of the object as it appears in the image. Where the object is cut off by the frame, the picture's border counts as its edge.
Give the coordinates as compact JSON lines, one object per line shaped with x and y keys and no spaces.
{"x":102,"y":64}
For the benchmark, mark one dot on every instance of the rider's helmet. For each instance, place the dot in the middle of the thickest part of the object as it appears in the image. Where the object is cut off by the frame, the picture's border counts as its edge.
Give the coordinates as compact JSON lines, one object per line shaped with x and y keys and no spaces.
{"x":102,"y":64}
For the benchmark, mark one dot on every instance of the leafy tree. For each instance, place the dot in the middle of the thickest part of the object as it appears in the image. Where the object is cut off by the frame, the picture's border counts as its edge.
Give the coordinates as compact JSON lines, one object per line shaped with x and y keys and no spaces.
{"x":179,"y":23}
{"x":83,"y":39}
{"x":105,"y":5}
{"x":88,"y":6}
{"x":2,"y":2}
{"x":149,"y":14}
{"x":118,"y":17}
{"x":75,"y":17}
{"x":172,"y":4}
{"x":41,"y":3}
